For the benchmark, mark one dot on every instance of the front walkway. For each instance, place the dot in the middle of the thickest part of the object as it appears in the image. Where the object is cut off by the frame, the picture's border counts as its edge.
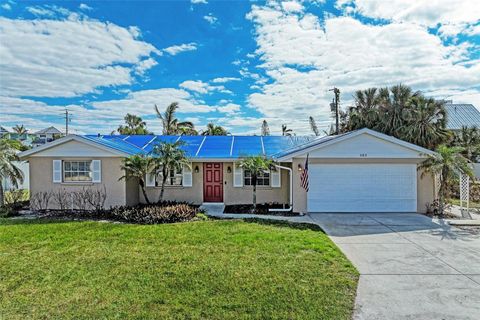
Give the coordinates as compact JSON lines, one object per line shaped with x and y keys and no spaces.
{"x":410,"y":266}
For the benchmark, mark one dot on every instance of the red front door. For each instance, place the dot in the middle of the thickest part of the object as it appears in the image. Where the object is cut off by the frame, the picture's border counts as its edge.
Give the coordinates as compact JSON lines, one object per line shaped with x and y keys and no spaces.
{"x":213,"y":182}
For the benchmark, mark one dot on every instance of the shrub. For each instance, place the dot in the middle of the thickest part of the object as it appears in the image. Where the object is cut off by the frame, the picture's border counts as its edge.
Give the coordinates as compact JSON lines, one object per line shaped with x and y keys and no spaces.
{"x":61,"y":198}
{"x":474,"y":191}
{"x":39,"y":201}
{"x":167,"y":212}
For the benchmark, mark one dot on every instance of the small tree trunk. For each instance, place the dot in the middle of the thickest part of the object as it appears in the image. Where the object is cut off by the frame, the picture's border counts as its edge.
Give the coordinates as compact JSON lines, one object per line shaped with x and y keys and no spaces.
{"x":162,"y":190}
{"x":142,"y":186}
{"x":2,"y":196}
{"x":254,"y":197}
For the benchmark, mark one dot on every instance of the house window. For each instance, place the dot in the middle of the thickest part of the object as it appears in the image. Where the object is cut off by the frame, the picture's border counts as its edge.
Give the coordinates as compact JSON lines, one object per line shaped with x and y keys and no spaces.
{"x":263,"y":179}
{"x":77,"y":171}
{"x":174,"y":178}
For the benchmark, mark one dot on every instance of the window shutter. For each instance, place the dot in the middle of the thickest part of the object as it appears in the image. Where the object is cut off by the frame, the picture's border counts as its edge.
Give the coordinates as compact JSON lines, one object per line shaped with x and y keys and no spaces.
{"x":187,"y":176}
{"x":150,"y":180}
{"x":97,"y":171}
{"x":276,"y":178}
{"x":57,"y":171}
{"x":237,"y":176}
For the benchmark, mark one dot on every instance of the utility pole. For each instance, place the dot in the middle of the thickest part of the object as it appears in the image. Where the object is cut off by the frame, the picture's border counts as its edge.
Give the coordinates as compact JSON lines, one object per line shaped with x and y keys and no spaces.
{"x":334,"y":108}
{"x":66,"y":121}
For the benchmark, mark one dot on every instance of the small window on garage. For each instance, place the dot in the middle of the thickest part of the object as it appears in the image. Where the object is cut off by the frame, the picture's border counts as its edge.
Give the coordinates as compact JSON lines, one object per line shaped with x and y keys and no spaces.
{"x":74,"y":171}
{"x":263,"y":179}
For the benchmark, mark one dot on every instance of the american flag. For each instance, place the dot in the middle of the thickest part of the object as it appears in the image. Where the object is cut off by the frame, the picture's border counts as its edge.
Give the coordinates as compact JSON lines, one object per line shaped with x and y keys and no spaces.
{"x":304,"y":176}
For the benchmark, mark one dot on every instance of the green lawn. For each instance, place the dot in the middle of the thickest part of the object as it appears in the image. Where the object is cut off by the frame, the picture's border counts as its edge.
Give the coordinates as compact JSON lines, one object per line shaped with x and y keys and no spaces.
{"x":197,"y":270}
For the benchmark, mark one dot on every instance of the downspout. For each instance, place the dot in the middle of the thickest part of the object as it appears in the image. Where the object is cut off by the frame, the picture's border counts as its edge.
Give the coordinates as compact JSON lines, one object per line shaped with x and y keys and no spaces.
{"x":291,"y":190}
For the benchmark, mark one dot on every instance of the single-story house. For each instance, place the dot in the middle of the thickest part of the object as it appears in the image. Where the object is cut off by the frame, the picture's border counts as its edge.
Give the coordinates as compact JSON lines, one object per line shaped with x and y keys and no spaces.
{"x":360,"y":171}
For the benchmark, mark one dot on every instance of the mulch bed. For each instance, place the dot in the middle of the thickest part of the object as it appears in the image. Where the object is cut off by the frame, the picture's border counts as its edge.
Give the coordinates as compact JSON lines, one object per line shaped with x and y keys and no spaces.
{"x":262,"y":209}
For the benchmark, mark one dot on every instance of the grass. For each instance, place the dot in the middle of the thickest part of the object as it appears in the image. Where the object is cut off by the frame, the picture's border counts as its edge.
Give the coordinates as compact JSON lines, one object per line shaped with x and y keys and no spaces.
{"x":472,"y":204}
{"x":199,"y":270}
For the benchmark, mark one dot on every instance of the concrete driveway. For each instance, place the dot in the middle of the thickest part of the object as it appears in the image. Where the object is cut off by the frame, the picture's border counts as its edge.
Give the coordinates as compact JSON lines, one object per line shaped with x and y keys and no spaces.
{"x":411,"y":267}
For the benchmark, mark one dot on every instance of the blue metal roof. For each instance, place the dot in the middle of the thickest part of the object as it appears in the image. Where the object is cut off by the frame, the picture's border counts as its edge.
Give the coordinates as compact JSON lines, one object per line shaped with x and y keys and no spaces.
{"x":205,"y":147}
{"x":459,"y":115}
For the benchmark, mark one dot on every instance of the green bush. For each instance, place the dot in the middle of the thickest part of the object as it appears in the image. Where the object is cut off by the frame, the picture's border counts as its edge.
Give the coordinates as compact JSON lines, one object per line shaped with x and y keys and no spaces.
{"x":474,"y":191}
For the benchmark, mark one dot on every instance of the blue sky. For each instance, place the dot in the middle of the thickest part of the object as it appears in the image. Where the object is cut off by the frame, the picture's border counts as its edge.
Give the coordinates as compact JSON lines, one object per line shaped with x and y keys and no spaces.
{"x":234,"y":63}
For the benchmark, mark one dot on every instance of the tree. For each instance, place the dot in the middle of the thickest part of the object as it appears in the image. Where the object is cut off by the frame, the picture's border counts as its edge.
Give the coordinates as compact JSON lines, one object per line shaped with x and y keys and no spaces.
{"x":285,"y":131}
{"x":138,"y":167}
{"x":214,"y":130}
{"x":21,"y":130}
{"x":469,"y":140}
{"x":445,"y":164}
{"x":255,"y":165}
{"x":171,"y":125}
{"x":134,"y":126}
{"x":400,"y":112}
{"x":265,"y":128}
{"x":313,"y":126}
{"x":426,"y":125}
{"x":168,"y":157}
{"x":8,"y":170}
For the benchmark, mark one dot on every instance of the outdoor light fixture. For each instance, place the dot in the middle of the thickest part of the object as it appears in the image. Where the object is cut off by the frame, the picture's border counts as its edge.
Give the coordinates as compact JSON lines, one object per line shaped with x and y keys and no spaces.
{"x":196,"y":169}
{"x":229,"y":170}
{"x":299,"y":167}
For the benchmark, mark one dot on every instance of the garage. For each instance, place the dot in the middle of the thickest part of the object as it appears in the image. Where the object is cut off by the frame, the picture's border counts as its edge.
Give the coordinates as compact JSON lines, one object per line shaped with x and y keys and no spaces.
{"x":362,"y":187}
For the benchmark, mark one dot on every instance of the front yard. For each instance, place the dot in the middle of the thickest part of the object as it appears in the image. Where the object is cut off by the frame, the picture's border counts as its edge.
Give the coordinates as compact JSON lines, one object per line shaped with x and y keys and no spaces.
{"x":196,"y":270}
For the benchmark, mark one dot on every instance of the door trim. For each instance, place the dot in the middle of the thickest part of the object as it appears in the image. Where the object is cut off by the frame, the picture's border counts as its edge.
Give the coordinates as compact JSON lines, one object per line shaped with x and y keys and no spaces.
{"x":220,"y":183}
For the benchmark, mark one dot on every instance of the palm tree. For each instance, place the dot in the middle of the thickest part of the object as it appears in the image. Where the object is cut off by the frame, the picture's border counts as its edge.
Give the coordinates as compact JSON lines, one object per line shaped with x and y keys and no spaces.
{"x":134,"y":126}
{"x":313,"y":126}
{"x":214,"y":130}
{"x":469,"y":140}
{"x":170,"y":124}
{"x":138,"y":167}
{"x":8,"y":170}
{"x":169,"y":157}
{"x":427,"y":125}
{"x":265,"y":128}
{"x":21,"y":130}
{"x":285,"y":131}
{"x":394,"y":109}
{"x":445,"y":164}
{"x":255,"y":165}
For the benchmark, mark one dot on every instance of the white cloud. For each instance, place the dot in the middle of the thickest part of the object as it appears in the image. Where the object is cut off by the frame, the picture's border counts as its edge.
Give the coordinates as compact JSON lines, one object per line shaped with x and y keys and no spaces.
{"x":100,"y":116}
{"x":6,"y":6}
{"x":229,"y":108}
{"x":305,"y":56}
{"x":210,"y":18}
{"x":198,"y":1}
{"x":174,"y":50}
{"x":57,"y":64}
{"x":225,"y":79}
{"x":84,"y":6}
{"x":48,"y":11}
{"x":292,"y":6}
{"x":145,"y":65}
{"x":202,"y":87}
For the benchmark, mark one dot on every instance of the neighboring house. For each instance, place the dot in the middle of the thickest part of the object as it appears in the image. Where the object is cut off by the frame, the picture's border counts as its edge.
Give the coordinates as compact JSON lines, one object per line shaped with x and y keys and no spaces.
{"x":463,"y":115}
{"x":46,"y":135}
{"x":26,"y":138}
{"x":360,"y":171}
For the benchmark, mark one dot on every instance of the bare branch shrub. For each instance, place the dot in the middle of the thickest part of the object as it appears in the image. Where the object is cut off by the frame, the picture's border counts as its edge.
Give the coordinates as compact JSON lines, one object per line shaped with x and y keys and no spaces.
{"x":61,"y":198}
{"x":39,"y":201}
{"x":96,"y":197}
{"x":79,"y":199}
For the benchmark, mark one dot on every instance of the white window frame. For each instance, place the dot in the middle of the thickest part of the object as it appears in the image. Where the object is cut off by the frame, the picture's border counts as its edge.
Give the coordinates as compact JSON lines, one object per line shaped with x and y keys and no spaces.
{"x":177,"y":177}
{"x":263,"y":178}
{"x":89,"y":170}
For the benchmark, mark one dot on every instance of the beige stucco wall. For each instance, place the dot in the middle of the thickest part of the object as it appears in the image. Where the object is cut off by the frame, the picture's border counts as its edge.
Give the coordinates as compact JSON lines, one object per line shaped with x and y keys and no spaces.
{"x":41,"y":172}
{"x":231,"y":194}
{"x":131,"y":192}
{"x":425,"y":185}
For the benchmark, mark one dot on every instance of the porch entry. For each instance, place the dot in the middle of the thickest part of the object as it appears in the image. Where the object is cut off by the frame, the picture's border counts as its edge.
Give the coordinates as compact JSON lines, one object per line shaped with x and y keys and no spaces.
{"x":213,"y":182}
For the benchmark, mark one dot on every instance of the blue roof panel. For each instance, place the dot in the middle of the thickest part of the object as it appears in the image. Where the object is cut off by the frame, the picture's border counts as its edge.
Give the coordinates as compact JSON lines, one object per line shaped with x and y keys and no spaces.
{"x":191,"y":144}
{"x":216,"y":147}
{"x":245,"y":146}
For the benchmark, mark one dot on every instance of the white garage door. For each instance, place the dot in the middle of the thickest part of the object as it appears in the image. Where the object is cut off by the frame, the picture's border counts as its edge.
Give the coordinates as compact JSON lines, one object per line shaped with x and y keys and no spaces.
{"x":362,"y":188}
